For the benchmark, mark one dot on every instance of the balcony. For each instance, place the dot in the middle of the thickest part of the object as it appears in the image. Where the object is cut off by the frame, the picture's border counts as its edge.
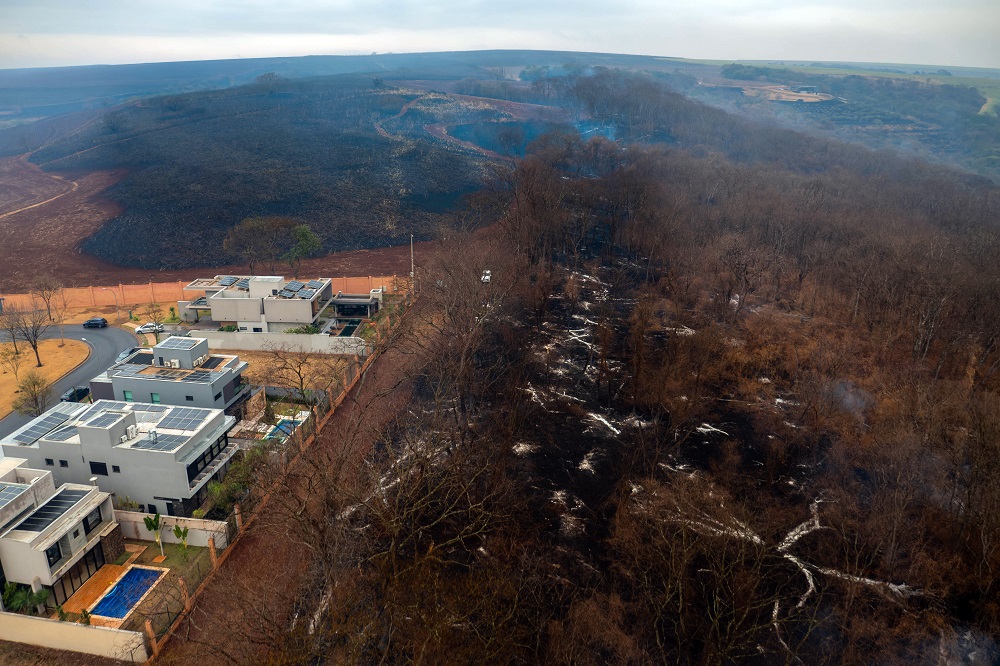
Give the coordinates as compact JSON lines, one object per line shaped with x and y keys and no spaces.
{"x":215,"y":465}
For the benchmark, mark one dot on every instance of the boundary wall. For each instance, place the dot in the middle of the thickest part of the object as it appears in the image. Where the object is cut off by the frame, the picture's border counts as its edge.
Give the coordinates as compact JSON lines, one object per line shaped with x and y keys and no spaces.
{"x":74,"y":637}
{"x":299,"y":342}
{"x":199,"y":530}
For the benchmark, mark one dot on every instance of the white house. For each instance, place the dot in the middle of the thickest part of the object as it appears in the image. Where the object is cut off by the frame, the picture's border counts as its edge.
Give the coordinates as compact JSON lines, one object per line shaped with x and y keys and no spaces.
{"x":159,"y":456}
{"x":53,"y":538}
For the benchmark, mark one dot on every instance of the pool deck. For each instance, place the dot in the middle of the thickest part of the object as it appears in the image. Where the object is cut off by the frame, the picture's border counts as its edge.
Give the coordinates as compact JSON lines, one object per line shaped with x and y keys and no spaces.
{"x":98,"y":585}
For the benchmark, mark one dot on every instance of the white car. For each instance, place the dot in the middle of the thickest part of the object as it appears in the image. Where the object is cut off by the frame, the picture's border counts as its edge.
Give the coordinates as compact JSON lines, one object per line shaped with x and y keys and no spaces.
{"x":487,"y":276}
{"x":150,"y":327}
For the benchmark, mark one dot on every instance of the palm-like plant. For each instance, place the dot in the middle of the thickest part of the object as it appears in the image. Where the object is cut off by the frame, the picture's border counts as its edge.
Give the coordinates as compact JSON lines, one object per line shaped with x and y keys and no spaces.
{"x":154,"y":525}
{"x":182,"y":534}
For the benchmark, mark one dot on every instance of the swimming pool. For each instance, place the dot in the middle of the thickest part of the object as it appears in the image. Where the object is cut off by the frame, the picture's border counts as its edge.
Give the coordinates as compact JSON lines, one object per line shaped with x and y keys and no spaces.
{"x":283,"y":429}
{"x":350,"y":327}
{"x":126,"y":593}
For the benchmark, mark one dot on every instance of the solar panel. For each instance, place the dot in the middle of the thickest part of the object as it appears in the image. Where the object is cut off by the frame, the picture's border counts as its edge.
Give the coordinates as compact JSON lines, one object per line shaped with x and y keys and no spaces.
{"x":10,"y":492}
{"x":228,"y":280}
{"x":243,"y":284}
{"x":306,"y":293}
{"x":42,"y":426}
{"x":160,"y":442}
{"x":294,"y":285}
{"x":284,"y":293}
{"x":52,"y":510}
{"x":104,"y":420}
{"x":184,"y":418}
{"x":314,"y":284}
{"x":178,"y":342}
{"x":197,"y":376}
{"x":62,"y":434}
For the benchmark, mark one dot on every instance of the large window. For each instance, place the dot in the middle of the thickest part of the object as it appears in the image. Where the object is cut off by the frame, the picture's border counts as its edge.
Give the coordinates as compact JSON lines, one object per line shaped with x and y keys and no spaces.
{"x":92,"y":520}
{"x":98,"y":468}
{"x":154,"y":398}
{"x":127,"y":395}
{"x":53,"y":554}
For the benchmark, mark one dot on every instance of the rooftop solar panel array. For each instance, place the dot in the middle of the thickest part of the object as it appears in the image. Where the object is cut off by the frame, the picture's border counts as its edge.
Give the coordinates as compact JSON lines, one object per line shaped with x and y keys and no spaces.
{"x":178,"y":342}
{"x":41,"y":427}
{"x":314,"y":284}
{"x":306,"y":293}
{"x":160,"y":442}
{"x":52,"y":510}
{"x":62,"y":434}
{"x":10,"y":492}
{"x":243,"y":284}
{"x":294,"y":285}
{"x":104,"y":420}
{"x":284,"y":293}
{"x":228,"y":280}
{"x":184,"y":418}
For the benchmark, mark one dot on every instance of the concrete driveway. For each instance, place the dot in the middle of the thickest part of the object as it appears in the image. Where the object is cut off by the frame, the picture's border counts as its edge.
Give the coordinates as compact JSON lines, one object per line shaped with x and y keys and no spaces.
{"x":105,"y":345}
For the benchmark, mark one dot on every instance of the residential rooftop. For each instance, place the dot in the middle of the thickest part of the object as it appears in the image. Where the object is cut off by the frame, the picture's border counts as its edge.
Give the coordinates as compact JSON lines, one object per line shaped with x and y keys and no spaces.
{"x":161,"y":428}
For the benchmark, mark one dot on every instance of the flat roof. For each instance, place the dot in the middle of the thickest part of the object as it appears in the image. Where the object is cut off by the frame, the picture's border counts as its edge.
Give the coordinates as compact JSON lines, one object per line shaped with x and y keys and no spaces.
{"x":241,"y":283}
{"x":159,"y":427}
{"x":51,"y":510}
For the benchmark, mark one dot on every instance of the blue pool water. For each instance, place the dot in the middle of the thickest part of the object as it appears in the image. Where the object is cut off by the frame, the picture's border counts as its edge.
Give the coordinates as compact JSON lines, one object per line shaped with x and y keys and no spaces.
{"x":284,"y":428}
{"x":126,"y":593}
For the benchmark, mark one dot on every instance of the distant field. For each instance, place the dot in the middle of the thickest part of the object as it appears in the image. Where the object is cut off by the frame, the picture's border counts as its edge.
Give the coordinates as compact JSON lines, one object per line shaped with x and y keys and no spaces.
{"x":989,"y":86}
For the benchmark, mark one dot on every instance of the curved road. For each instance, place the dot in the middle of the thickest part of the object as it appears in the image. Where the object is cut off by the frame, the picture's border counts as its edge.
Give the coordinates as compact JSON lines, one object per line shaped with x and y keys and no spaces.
{"x":105,"y":345}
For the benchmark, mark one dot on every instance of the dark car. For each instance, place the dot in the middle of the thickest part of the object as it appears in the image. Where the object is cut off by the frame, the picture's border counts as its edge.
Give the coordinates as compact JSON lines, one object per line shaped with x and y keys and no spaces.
{"x":75,"y":394}
{"x":96,"y":322}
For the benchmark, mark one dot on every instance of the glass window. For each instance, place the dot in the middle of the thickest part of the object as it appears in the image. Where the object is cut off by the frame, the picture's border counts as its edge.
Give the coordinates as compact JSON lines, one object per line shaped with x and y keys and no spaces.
{"x":76,"y":534}
{"x":64,"y":463}
{"x":151,"y":508}
{"x":154,"y":398}
{"x":98,"y":468}
{"x":218,"y":396}
{"x":189,"y":398}
{"x":127,"y":395}
{"x":116,"y":469}
{"x":52,"y":553}
{"x":92,"y":520}
{"x":50,"y":462}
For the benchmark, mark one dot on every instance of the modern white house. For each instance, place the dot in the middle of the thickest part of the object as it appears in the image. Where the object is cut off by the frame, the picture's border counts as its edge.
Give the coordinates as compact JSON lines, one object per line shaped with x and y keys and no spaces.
{"x":52,"y":538}
{"x":258,"y":303}
{"x":158,"y":456}
{"x":177,"y":371}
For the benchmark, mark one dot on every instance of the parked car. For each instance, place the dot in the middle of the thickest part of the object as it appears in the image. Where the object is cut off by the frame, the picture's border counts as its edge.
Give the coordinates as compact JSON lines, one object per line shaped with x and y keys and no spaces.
{"x":125,"y":354}
{"x":487,"y":276}
{"x":75,"y":394}
{"x":150,"y":327}
{"x":96,"y":322}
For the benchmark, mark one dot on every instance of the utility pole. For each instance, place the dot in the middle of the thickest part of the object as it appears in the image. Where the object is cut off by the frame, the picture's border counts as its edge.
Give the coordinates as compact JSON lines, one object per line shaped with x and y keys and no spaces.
{"x":413,"y":282}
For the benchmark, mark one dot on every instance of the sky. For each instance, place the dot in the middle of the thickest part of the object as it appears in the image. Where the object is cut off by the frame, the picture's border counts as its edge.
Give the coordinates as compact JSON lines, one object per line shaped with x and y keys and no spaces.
{"x":40,"y":33}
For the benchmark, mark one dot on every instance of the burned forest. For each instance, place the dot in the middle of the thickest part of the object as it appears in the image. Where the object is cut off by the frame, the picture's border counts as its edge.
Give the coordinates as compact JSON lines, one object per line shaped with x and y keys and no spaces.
{"x":725,"y":395}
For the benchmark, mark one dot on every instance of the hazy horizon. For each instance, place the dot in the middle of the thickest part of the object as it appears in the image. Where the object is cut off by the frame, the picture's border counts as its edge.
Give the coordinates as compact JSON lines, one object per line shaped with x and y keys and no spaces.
{"x":53,"y":33}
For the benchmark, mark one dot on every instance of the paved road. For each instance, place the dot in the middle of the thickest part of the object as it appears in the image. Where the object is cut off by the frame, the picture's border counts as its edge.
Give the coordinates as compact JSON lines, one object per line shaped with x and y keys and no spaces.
{"x":105,"y":345}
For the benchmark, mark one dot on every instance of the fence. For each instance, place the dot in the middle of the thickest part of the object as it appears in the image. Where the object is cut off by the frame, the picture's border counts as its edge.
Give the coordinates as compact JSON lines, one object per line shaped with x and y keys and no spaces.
{"x":128,"y":295}
{"x":89,"y":639}
{"x":199,"y":530}
{"x":256,"y":499}
{"x":131,"y":295}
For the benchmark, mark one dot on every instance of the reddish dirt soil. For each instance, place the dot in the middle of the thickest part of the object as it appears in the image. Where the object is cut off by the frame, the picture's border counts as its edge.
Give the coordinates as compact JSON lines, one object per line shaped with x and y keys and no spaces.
{"x":45,"y":217}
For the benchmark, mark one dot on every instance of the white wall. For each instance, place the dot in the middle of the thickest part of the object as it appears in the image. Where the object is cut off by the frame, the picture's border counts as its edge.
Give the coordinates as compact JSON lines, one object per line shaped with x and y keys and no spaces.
{"x":134,"y":527}
{"x":303,"y":342}
{"x":101,"y":641}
